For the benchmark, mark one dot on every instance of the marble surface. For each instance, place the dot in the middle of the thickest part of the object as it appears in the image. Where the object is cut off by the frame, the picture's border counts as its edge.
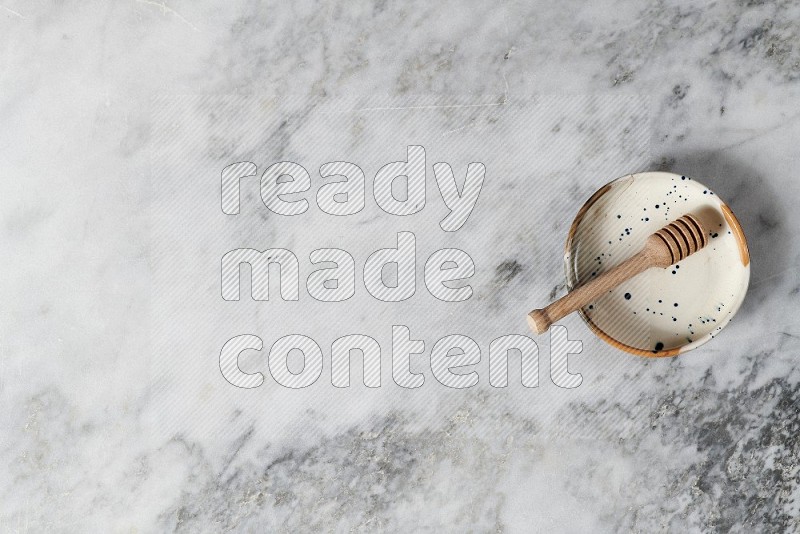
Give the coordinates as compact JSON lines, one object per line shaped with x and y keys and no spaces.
{"x":107,"y":429}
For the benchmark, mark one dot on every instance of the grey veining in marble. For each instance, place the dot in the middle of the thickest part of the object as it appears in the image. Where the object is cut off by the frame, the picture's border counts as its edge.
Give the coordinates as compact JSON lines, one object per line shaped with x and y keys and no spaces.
{"x":102,"y":433}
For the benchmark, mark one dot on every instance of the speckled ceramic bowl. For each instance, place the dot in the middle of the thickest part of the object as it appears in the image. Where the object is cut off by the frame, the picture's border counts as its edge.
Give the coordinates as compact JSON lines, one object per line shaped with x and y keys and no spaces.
{"x":661,"y":312}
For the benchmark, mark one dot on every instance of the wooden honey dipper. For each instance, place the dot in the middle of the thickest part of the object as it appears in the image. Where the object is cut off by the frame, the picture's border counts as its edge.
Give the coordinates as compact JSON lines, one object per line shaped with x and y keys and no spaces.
{"x":668,"y":246}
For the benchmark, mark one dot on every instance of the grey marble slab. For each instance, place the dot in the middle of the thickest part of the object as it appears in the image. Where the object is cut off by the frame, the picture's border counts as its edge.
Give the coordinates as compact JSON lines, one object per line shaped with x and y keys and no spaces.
{"x":108,"y":428}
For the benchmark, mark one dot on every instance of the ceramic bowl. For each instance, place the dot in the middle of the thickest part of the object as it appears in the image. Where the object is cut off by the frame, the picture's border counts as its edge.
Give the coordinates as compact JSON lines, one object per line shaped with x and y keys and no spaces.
{"x":661,"y":312}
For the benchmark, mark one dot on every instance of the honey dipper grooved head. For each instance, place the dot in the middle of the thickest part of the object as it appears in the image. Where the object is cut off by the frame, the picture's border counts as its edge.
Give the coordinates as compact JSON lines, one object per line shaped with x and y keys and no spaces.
{"x":683,"y":236}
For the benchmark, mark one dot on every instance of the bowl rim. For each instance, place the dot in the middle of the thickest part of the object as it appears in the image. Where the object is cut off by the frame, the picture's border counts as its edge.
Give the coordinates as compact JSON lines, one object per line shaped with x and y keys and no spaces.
{"x":736,"y":230}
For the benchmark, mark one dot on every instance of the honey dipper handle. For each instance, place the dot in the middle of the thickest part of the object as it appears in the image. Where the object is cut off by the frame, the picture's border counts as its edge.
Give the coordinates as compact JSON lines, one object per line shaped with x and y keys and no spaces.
{"x":540,"y":320}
